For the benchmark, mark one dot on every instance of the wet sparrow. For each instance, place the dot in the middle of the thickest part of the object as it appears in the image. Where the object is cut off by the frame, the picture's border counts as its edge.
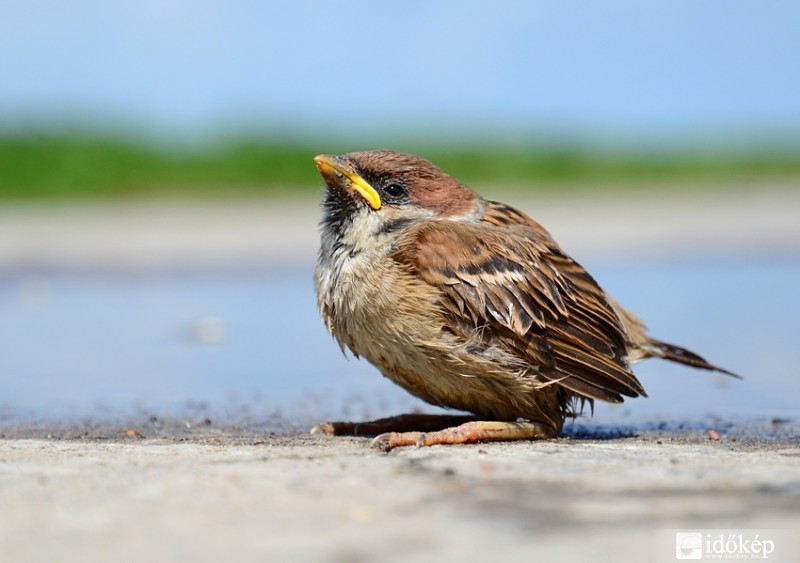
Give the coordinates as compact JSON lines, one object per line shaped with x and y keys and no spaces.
{"x":467,"y":304}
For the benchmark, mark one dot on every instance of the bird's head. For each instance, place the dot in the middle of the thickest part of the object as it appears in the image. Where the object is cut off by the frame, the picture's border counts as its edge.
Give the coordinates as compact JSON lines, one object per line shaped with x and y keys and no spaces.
{"x":384,"y":191}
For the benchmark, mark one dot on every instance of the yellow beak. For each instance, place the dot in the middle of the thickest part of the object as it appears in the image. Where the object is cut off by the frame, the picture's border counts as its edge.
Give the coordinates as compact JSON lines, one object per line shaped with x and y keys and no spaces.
{"x":338,"y":171}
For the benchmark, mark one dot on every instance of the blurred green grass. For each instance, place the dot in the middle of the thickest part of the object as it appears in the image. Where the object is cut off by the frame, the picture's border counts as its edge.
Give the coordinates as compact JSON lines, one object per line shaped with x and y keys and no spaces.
{"x":82,"y":166}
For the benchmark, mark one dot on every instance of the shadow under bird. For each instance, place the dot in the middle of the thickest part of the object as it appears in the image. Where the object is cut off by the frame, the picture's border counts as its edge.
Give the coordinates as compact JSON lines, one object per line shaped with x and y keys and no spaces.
{"x":468,"y":304}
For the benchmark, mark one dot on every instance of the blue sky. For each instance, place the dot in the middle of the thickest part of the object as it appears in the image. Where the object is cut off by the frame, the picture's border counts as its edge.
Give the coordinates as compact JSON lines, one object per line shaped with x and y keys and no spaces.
{"x":355,"y":68}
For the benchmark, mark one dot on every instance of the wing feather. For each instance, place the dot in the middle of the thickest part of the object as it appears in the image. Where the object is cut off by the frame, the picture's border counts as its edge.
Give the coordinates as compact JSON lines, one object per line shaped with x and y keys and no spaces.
{"x":511,"y":285}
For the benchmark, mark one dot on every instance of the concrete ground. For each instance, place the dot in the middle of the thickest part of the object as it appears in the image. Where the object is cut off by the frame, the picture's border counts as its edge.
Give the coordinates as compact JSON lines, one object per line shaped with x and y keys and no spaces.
{"x":303,"y":498}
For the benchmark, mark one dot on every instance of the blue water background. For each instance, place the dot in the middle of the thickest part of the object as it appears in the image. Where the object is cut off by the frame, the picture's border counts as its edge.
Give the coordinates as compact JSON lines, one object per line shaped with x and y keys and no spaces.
{"x":105,"y":345}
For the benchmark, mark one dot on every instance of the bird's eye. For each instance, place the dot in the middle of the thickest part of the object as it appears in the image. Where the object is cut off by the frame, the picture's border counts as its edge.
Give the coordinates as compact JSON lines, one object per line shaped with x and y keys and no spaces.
{"x":395,"y":190}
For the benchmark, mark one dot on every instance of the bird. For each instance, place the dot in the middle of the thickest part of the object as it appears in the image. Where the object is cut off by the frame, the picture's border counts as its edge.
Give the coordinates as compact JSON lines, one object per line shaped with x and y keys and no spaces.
{"x":468,"y":304}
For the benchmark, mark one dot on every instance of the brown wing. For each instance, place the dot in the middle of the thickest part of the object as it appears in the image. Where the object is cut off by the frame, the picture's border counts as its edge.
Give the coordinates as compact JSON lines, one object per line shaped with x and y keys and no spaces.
{"x":503,"y":215}
{"x":514,"y":287}
{"x":640,"y":344}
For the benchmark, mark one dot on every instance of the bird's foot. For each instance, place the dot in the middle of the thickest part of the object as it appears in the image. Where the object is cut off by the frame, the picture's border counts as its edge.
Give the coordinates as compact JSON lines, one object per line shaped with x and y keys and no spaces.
{"x":402,"y":423}
{"x":467,"y":433}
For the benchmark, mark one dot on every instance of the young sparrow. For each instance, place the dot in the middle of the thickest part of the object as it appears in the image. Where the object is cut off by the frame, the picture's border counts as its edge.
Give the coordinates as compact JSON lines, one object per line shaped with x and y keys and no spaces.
{"x":467,"y":304}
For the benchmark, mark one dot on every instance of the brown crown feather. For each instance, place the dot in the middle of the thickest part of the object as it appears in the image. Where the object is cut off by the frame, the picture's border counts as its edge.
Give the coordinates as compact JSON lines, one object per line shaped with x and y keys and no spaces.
{"x":427,"y":185}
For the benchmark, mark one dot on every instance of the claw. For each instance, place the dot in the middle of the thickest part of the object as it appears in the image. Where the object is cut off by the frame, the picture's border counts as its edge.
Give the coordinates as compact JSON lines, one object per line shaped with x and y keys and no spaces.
{"x":382,"y":442}
{"x":326,"y":429}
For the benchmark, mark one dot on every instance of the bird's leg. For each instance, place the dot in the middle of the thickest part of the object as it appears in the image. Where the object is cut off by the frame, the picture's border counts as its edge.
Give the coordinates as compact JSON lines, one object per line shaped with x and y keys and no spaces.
{"x":400,"y":423}
{"x":467,"y":433}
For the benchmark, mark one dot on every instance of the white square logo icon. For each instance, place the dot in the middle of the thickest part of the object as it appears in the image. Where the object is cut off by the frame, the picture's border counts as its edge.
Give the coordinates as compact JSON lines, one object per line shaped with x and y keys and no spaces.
{"x":689,"y":545}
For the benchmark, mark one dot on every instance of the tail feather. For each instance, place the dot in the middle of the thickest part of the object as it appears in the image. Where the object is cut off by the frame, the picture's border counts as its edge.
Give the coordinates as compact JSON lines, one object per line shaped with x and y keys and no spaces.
{"x":682,"y":356}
